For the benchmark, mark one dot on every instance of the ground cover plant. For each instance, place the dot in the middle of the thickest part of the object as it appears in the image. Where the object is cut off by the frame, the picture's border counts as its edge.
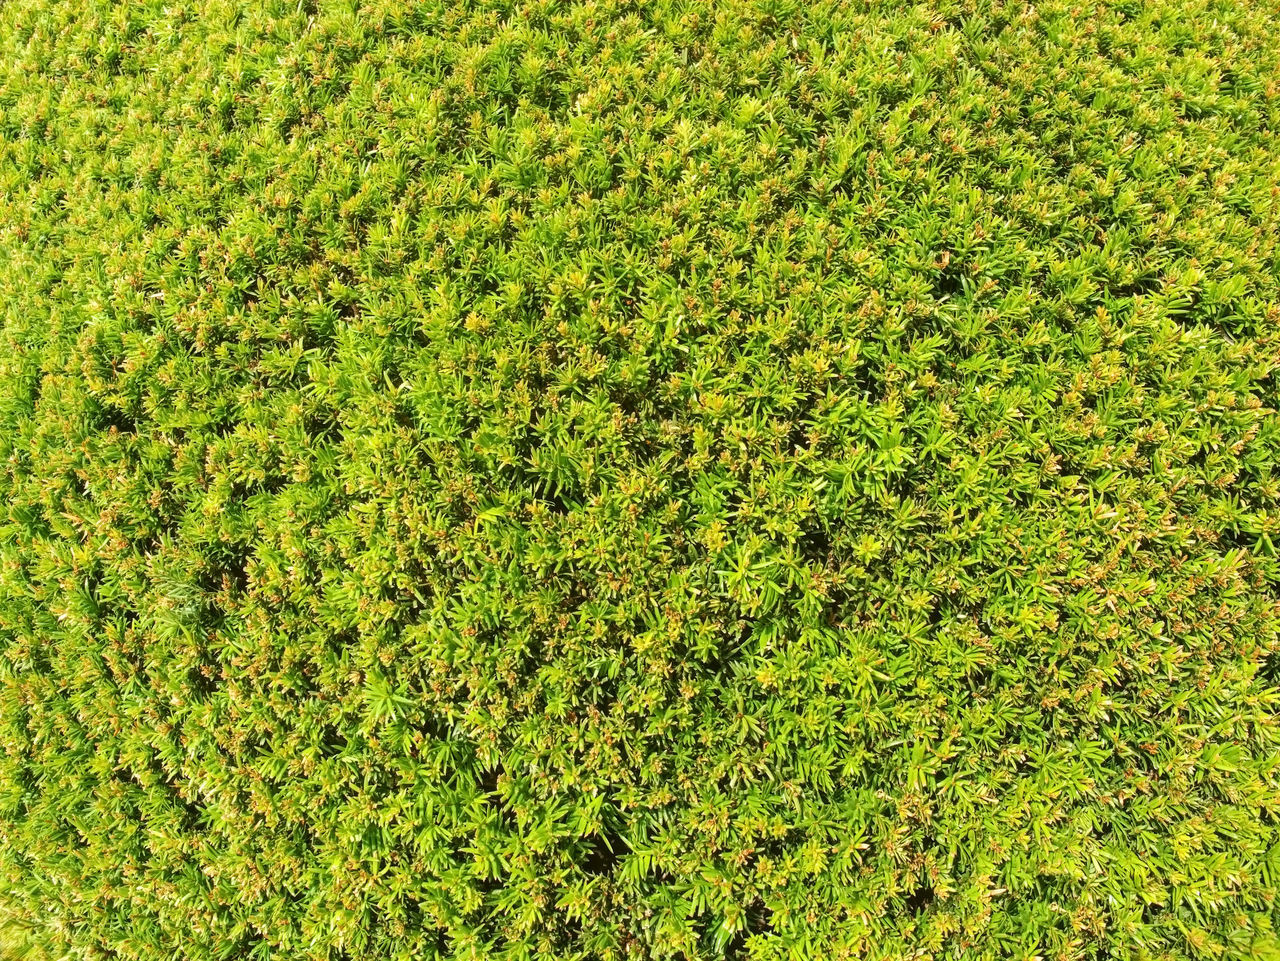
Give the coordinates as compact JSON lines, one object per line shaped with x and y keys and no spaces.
{"x":639,"y":479}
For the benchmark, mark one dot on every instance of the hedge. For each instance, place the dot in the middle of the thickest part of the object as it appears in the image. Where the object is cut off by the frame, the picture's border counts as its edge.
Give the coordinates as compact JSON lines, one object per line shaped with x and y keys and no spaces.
{"x":640,"y":479}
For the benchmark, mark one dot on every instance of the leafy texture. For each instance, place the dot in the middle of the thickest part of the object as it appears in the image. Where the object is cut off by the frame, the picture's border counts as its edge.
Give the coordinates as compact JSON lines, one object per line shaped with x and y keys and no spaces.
{"x":640,"y":479}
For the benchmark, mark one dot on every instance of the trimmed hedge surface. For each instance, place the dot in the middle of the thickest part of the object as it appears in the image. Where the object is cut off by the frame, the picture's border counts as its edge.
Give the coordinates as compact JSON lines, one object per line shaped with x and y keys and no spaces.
{"x":640,"y":479}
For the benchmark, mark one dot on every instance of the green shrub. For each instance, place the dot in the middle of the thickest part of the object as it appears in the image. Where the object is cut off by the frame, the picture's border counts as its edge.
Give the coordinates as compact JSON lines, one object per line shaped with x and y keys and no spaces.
{"x":640,"y":479}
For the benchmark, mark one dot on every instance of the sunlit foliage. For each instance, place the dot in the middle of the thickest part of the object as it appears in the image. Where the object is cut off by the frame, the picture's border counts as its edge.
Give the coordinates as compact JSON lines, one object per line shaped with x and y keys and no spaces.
{"x":643,"y":479}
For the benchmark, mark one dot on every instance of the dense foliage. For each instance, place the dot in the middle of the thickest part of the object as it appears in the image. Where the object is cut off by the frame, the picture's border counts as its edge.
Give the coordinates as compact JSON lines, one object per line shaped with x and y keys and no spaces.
{"x":640,"y":479}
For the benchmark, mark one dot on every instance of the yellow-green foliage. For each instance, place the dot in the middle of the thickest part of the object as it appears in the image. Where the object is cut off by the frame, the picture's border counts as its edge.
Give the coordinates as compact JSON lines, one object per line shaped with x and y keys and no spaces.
{"x":640,"y":479}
